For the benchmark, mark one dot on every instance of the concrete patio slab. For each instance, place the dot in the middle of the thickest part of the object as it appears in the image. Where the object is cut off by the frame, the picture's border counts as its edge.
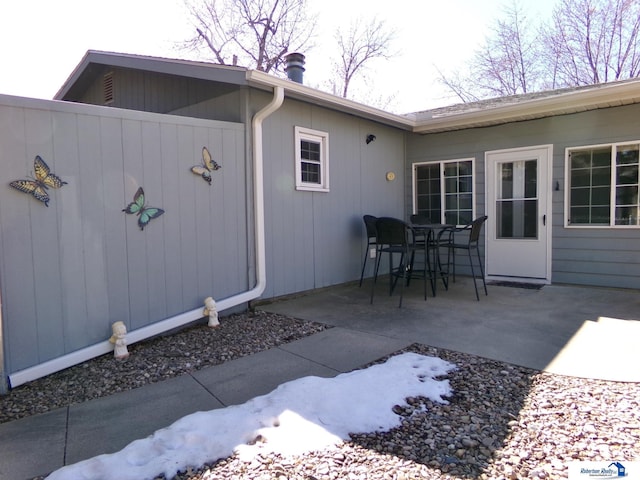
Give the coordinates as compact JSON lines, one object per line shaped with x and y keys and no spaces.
{"x":239,"y":380}
{"x":108,"y":424}
{"x":33,"y":446}
{"x":597,"y":347}
{"x":526,"y":327}
{"x":344,"y":350}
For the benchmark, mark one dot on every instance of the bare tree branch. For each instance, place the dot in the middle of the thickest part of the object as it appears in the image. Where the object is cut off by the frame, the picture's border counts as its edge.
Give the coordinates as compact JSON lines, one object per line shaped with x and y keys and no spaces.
{"x":257,"y":32}
{"x":358,"y":46}
{"x":508,"y":62}
{"x":595,"y":40}
{"x":586,"y":42}
{"x":457,"y":85}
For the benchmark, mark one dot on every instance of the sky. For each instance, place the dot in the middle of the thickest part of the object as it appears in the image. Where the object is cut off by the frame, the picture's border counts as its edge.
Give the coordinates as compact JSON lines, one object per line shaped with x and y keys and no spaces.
{"x":42,"y":41}
{"x":304,"y":415}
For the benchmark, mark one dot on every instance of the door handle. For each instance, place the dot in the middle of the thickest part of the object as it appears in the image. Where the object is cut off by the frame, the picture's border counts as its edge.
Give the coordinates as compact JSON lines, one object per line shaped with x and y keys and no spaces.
{"x":544,"y":220}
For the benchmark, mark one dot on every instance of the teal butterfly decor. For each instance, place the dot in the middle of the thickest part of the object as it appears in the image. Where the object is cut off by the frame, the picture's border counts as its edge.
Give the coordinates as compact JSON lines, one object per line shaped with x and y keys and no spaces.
{"x":43,"y":180}
{"x":208,"y":165}
{"x":145,"y":214}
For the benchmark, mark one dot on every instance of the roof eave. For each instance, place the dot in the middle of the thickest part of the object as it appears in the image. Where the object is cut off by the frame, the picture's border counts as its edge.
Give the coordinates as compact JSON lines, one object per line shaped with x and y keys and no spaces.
{"x":299,"y":91}
{"x":73,"y":77}
{"x":603,"y":96}
{"x":200,"y":70}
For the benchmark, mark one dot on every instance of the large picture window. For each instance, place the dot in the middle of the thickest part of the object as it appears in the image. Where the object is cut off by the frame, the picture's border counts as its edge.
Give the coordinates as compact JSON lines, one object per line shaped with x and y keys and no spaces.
{"x":443,"y":191}
{"x":312,"y":160}
{"x":603,"y":185}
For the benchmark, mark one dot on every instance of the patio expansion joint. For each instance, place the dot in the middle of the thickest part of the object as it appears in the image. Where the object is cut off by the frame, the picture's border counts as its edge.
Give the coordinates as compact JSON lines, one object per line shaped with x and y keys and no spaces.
{"x":66,"y":435}
{"x":308,"y":359}
{"x":207,"y":390}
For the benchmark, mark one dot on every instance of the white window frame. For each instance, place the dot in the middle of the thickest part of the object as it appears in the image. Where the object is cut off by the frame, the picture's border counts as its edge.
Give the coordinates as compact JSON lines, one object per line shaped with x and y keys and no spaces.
{"x":442,"y":164}
{"x":612,"y":184}
{"x":321,"y":138}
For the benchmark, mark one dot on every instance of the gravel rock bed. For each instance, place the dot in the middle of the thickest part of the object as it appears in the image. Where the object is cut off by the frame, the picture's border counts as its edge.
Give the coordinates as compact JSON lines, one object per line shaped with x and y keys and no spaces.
{"x":502,"y":421}
{"x":155,"y":360}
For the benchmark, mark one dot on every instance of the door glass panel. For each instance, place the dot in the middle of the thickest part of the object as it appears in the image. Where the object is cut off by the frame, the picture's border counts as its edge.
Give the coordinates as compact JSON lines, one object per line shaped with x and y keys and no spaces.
{"x":505,"y":176}
{"x":517,"y":199}
{"x":531,"y":179}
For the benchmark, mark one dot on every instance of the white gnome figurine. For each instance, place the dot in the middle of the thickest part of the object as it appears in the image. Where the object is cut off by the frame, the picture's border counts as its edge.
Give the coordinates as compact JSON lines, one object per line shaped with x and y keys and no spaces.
{"x":211,"y":311}
{"x":119,"y":340}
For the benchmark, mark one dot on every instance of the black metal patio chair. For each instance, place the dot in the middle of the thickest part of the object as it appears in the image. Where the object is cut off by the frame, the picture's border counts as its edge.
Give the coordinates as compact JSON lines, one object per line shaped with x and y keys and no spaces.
{"x":394,"y":236}
{"x":474,"y":229}
{"x":370,"y":229}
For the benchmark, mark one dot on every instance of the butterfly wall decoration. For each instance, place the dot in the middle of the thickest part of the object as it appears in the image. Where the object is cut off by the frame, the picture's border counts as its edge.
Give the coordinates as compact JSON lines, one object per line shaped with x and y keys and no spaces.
{"x":39,"y":185}
{"x":208,"y":165}
{"x":145,"y":214}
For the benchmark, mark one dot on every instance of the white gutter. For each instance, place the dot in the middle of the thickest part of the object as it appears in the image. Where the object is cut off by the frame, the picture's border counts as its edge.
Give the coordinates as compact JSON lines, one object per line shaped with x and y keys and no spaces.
{"x":79,"y":356}
{"x":300,"y":91}
{"x":601,"y":96}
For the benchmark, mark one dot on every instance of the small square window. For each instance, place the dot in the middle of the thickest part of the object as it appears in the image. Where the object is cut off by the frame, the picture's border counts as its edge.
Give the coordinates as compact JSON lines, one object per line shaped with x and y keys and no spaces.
{"x":312,"y":160}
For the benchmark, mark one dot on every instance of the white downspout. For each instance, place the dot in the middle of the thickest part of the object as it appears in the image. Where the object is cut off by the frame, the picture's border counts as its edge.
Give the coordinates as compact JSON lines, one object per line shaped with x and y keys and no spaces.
{"x":79,"y":356}
{"x":258,"y":192}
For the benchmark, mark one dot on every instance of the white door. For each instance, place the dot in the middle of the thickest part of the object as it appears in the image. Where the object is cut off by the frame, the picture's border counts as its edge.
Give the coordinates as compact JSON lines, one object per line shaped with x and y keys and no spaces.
{"x":519,"y":225}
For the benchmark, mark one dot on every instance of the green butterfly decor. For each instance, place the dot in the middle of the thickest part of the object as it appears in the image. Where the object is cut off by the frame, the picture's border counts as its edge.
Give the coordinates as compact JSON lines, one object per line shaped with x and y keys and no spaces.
{"x":145,"y":214}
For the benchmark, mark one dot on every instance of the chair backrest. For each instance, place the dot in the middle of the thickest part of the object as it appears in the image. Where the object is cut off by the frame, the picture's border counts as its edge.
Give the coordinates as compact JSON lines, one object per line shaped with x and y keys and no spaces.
{"x":420,"y":219}
{"x":370,"y":225}
{"x":391,"y":231}
{"x":476,"y":228}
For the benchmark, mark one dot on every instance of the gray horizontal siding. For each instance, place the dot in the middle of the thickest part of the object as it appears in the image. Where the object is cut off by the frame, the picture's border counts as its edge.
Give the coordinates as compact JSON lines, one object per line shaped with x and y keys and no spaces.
{"x":592,"y":279}
{"x":70,"y":270}
{"x":602,"y":257}
{"x":596,"y":254}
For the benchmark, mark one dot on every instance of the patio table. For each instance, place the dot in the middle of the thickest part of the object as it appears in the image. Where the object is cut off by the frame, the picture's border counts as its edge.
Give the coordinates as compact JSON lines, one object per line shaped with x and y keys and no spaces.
{"x":430,"y":236}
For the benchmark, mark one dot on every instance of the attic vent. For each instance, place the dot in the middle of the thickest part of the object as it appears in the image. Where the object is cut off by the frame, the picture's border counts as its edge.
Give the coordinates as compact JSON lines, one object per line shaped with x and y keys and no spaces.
{"x":108,"y":88}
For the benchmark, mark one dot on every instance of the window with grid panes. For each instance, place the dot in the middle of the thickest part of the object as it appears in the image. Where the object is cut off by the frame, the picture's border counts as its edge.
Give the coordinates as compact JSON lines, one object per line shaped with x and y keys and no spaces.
{"x":312,"y":162}
{"x":443,"y":191}
{"x":603,"y":185}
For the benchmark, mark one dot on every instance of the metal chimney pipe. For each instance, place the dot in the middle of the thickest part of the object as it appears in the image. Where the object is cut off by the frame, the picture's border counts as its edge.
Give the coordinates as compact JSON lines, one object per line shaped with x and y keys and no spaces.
{"x":295,"y":66}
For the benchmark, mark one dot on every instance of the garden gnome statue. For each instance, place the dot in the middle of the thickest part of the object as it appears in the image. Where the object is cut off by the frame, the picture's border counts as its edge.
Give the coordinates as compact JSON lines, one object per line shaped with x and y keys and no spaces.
{"x":119,"y":340}
{"x":211,"y":311}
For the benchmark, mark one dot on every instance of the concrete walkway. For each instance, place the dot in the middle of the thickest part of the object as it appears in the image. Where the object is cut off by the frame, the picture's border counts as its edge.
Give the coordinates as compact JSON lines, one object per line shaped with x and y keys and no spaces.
{"x":39,"y":444}
{"x":568,"y":330}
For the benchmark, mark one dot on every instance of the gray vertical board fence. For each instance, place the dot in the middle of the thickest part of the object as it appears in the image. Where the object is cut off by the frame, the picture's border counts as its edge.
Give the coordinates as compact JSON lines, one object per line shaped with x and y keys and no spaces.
{"x":67,"y":272}
{"x":608,"y":257}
